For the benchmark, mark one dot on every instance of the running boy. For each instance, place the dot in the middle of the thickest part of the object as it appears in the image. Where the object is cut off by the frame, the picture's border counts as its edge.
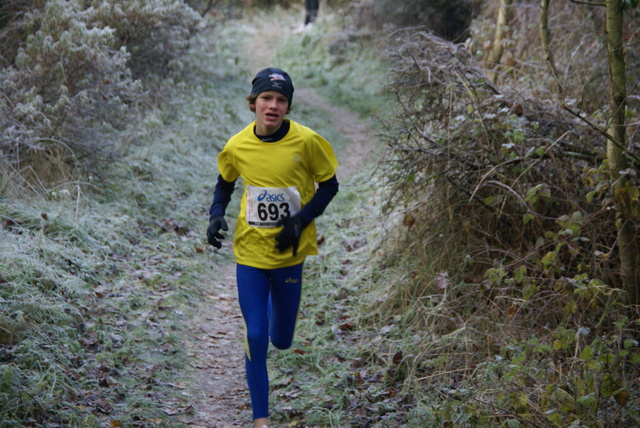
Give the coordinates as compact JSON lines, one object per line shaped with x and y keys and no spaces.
{"x":280,"y":162}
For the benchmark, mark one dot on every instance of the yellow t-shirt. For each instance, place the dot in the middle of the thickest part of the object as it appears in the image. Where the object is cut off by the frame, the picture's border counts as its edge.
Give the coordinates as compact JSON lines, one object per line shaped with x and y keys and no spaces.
{"x":279,"y":179}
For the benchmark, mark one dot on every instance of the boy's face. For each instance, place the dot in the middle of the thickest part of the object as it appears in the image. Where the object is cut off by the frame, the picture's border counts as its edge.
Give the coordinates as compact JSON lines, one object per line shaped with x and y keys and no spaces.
{"x":271,"y":108}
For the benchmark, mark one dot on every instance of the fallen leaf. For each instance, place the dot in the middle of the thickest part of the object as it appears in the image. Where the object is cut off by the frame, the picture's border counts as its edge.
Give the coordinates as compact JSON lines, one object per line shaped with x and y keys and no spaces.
{"x":178,"y":385}
{"x":386,"y":329}
{"x":622,"y":397}
{"x":357,"y":363}
{"x":409,"y":220}
{"x":291,"y":412}
{"x":347,"y":326}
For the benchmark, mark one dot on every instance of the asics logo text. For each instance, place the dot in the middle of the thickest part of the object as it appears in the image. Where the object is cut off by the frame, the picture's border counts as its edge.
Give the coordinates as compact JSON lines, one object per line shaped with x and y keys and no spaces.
{"x":270,"y":197}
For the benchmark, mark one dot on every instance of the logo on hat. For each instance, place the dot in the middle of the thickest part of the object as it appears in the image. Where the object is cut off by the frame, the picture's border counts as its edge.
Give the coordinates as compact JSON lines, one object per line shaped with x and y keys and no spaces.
{"x":277,"y":76}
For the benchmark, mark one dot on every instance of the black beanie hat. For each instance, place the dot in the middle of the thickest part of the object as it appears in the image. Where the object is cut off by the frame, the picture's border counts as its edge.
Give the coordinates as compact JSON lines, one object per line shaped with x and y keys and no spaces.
{"x":273,"y":79}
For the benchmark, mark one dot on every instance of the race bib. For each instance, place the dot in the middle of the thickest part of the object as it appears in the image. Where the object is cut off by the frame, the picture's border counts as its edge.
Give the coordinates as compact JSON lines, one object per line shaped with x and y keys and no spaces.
{"x":267,"y":205}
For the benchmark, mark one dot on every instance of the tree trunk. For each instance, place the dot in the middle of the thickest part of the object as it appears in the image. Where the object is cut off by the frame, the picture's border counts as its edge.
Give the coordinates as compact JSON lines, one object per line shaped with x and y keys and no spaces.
{"x":502,"y":28}
{"x":545,"y":41}
{"x":627,"y":244}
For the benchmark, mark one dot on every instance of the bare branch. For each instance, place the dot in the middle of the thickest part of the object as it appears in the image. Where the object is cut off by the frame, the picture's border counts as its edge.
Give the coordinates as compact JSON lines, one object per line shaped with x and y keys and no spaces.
{"x":589,"y":3}
{"x":595,"y":127}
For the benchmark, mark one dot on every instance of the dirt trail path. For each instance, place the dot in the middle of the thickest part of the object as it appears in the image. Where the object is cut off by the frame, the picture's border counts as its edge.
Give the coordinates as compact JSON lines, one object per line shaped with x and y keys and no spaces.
{"x":356,"y":131}
{"x":219,"y":397}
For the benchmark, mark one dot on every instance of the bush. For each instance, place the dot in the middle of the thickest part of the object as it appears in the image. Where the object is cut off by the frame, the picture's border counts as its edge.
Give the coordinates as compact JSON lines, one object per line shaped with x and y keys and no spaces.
{"x":155,"y":33}
{"x":77,"y":82}
{"x":67,"y":92}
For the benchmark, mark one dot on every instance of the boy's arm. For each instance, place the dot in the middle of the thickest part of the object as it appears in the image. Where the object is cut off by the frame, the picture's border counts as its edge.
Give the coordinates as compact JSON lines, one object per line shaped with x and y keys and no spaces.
{"x":221,"y":197}
{"x":316,"y":206}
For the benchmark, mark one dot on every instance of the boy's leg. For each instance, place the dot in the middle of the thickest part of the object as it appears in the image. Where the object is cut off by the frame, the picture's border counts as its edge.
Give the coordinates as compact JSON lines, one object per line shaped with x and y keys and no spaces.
{"x":253,"y":295}
{"x":286,"y":286}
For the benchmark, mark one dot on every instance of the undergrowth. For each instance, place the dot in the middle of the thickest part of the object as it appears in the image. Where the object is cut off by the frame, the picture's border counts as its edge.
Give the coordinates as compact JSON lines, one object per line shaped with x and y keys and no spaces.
{"x":505,"y":241}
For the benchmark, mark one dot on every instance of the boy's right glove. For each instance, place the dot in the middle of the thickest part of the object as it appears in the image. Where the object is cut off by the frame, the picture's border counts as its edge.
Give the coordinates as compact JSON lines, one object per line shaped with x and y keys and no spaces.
{"x":213,"y":231}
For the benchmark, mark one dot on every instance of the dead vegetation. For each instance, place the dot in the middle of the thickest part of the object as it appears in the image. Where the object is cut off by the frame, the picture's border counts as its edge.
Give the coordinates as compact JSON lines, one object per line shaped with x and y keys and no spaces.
{"x":506,"y":236}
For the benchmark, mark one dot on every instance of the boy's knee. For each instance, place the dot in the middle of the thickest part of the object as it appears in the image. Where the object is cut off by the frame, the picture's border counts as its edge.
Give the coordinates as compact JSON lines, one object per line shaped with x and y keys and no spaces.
{"x":256,"y":337}
{"x":282,"y":343}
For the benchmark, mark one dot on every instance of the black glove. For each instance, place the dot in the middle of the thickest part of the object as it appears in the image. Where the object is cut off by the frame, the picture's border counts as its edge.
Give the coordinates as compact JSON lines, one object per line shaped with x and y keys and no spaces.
{"x":213,"y":231}
{"x":289,"y":236}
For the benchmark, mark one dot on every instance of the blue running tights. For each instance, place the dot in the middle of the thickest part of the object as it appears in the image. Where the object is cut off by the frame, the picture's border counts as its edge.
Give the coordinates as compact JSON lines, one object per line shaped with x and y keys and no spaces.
{"x":269,"y":301}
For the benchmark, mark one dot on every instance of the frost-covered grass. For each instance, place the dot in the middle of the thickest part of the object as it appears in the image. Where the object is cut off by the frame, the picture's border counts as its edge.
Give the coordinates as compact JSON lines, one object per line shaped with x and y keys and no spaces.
{"x":98,"y":274}
{"x":94,"y":274}
{"x":341,"y":60}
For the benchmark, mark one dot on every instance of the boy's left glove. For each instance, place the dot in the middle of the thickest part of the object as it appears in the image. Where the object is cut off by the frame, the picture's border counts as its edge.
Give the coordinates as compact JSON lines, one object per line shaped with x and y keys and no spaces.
{"x":289,"y":236}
